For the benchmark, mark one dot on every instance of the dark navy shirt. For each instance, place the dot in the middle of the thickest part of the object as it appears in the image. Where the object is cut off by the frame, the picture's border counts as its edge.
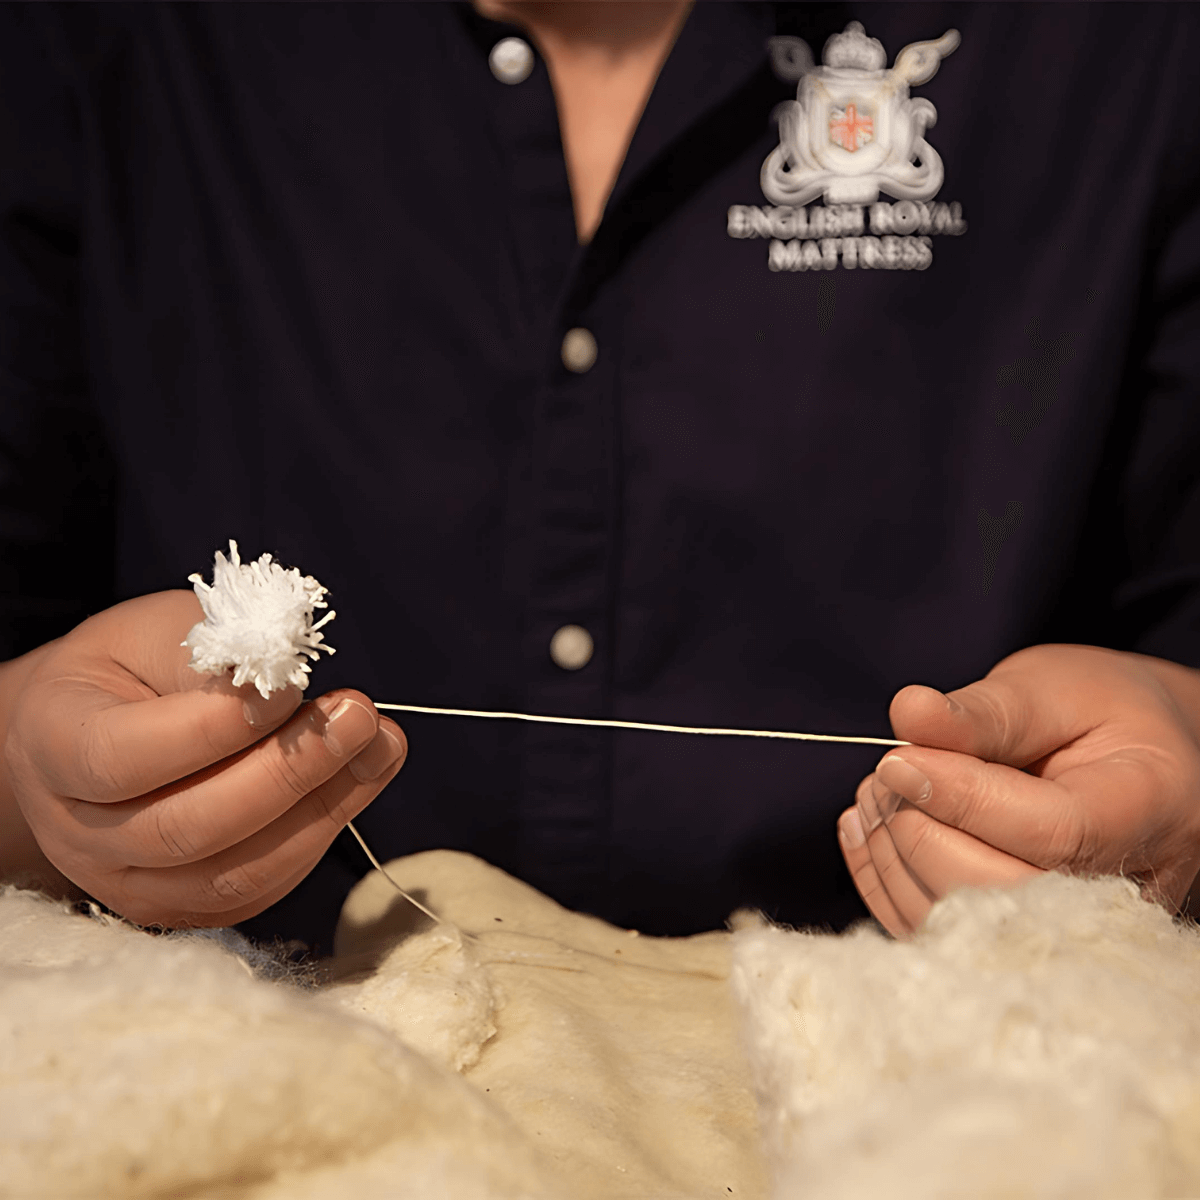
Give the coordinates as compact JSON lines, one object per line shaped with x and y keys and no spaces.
{"x":301,"y":275}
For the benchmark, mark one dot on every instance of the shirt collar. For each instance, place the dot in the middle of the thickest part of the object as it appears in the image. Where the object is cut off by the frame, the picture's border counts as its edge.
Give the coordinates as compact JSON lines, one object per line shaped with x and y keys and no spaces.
{"x":720,"y":47}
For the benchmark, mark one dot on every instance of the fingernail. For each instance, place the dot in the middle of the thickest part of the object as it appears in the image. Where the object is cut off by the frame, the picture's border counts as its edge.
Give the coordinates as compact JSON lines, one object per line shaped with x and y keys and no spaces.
{"x":953,"y":705}
{"x":903,"y":777}
{"x":382,"y":753}
{"x":850,"y":830}
{"x":346,"y":726}
{"x":263,"y":712}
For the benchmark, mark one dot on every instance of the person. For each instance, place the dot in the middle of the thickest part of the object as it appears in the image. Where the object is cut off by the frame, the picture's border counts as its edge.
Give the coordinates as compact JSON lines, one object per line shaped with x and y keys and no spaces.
{"x":728,"y":365}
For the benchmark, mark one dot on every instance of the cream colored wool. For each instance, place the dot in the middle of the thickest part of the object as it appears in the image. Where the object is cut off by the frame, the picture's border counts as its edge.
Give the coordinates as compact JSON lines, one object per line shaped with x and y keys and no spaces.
{"x":1040,"y":1042}
{"x":136,"y":1066}
{"x":616,"y":1054}
{"x":432,"y":992}
{"x":1033,"y":1043}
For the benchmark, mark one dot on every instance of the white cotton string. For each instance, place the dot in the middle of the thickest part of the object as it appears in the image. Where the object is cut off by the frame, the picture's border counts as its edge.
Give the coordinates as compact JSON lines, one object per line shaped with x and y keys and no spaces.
{"x":469,"y":712}
{"x":762,"y":733}
{"x":379,"y":867}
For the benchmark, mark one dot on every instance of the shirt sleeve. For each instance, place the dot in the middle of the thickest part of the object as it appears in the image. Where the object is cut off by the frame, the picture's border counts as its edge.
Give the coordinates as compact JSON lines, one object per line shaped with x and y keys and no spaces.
{"x":56,"y":476}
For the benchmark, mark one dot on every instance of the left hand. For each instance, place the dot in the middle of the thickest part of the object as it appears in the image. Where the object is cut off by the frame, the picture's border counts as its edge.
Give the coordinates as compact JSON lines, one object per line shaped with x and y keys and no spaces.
{"x":1070,"y":758}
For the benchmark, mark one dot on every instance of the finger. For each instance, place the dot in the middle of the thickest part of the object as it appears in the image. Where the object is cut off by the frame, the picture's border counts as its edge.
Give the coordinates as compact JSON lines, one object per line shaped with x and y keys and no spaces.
{"x":1034,"y":703}
{"x":852,"y":837}
{"x":1080,"y":818}
{"x":117,"y":711}
{"x":88,"y":743}
{"x":942,"y":859}
{"x":144,"y":636}
{"x":995,"y":719}
{"x":907,"y":894}
{"x":225,"y":804}
{"x":866,"y":878}
{"x":242,"y":880}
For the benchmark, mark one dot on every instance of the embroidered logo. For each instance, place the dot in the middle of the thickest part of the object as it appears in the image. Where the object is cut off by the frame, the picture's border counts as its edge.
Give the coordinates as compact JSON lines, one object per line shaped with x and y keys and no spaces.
{"x":852,"y":133}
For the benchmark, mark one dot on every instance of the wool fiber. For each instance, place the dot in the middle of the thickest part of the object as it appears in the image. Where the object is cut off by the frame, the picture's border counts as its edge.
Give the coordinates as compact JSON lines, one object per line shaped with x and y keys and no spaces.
{"x":615,"y":1053}
{"x":1030,"y":1043}
{"x":1037,"y":1042}
{"x":142,"y":1066}
{"x":431,"y":991}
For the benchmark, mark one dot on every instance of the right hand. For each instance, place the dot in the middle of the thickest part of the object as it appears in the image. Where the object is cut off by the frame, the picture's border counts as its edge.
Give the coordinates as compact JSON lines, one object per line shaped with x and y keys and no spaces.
{"x":175,"y":798}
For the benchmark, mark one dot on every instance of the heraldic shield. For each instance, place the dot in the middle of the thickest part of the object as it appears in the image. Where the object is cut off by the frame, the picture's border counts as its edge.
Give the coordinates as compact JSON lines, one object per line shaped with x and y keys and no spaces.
{"x":853,"y":131}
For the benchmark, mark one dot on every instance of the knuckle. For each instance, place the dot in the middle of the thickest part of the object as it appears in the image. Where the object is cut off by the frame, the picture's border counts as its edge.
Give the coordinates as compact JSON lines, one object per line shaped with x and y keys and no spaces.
{"x":286,"y":770}
{"x":892,"y":872}
{"x":870,"y":887}
{"x":985,"y":791}
{"x":1003,"y":708}
{"x":170,"y":834}
{"x":215,"y":743}
{"x":330,"y":809}
{"x":23,"y":773}
{"x":1068,"y":840}
{"x":229,"y":888}
{"x":923,"y":840}
{"x":97,"y":763}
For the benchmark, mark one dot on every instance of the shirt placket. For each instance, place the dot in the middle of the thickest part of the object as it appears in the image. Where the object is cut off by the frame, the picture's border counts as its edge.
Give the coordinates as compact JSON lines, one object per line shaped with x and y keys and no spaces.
{"x":567,"y":648}
{"x":563,"y":494}
{"x":569,"y":496}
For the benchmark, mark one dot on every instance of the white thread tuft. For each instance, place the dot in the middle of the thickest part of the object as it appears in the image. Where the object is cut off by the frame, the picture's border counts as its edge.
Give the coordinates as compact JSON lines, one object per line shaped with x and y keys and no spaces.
{"x":258,"y":619}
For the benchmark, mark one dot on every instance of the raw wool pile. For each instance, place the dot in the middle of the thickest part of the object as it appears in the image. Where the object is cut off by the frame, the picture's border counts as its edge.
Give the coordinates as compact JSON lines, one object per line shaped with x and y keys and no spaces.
{"x":616,"y":1054}
{"x":1040,"y":1042}
{"x":142,"y":1066}
{"x":596,"y":1064}
{"x":258,"y":619}
{"x":431,"y":991}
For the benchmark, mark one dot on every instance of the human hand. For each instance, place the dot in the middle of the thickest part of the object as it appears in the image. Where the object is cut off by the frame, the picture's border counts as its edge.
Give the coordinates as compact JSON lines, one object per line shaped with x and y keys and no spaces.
{"x":1064,"y":757}
{"x":175,"y":798}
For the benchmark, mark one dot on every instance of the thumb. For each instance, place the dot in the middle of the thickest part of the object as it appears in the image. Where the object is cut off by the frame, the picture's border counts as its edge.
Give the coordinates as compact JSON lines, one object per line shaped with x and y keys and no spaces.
{"x":92,"y":744}
{"x":114,"y":711}
{"x":1000,"y":720}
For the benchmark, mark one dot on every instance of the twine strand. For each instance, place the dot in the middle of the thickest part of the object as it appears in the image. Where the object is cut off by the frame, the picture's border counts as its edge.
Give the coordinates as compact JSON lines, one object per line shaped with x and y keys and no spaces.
{"x":511,"y":716}
{"x":762,"y":733}
{"x":379,"y":867}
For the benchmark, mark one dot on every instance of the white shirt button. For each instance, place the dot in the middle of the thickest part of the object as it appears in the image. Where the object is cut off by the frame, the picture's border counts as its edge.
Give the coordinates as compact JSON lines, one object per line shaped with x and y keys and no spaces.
{"x":511,"y":60}
{"x":571,"y":647}
{"x":579,"y":350}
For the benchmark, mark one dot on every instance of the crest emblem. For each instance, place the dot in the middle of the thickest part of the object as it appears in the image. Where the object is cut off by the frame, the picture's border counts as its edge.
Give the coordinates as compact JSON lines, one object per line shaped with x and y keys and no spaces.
{"x":853,"y":131}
